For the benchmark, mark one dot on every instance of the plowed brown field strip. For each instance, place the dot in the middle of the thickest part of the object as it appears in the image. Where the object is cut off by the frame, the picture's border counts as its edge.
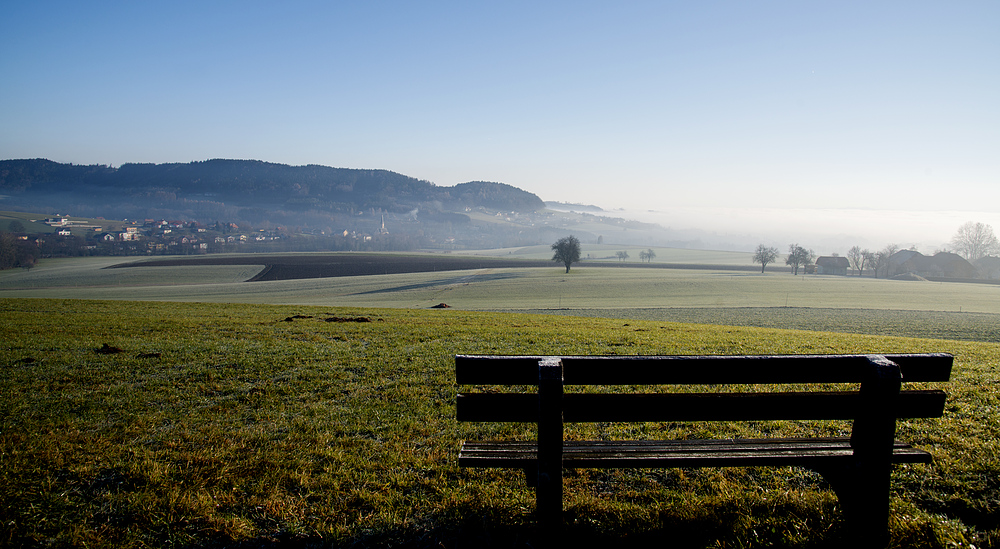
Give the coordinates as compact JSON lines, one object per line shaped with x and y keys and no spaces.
{"x":293,"y":267}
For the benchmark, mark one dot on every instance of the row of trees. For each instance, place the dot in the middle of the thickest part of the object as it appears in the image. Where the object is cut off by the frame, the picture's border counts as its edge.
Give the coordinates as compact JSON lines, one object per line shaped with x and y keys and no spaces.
{"x":645,"y":256}
{"x":16,"y":253}
{"x":797,"y":256}
{"x":876,"y":261}
{"x":973,"y":241}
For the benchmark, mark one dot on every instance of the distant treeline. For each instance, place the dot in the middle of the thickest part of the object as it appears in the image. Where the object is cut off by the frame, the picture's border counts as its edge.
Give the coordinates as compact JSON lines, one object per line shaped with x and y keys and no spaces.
{"x":15,"y":252}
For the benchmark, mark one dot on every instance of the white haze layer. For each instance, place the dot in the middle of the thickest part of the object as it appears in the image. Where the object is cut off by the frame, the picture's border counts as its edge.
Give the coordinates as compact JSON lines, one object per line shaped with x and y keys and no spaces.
{"x":826,"y":231}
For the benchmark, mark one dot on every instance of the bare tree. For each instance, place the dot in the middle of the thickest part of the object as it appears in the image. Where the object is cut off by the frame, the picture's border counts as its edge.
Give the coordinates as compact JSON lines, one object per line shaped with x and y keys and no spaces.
{"x":798,"y":257}
{"x":868,"y":259}
{"x":622,"y":256}
{"x":857,"y":259}
{"x":975,"y":240}
{"x":647,"y":255}
{"x":764,"y":255}
{"x":882,"y":259}
{"x":566,"y":251}
{"x":879,"y":261}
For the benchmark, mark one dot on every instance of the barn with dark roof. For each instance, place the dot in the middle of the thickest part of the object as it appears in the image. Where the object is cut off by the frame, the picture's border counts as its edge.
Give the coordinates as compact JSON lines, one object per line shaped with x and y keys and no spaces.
{"x":832,"y":265}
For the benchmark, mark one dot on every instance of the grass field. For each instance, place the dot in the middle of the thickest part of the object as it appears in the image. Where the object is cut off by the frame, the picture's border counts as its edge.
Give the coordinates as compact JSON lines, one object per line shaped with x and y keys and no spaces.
{"x":921,"y":324}
{"x":779,"y":300}
{"x":92,"y":273}
{"x":606,"y":253}
{"x":154,"y":424}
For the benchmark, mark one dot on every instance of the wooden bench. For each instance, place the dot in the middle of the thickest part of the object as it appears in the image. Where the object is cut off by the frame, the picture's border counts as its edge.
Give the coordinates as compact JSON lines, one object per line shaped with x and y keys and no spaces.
{"x":857,"y":467}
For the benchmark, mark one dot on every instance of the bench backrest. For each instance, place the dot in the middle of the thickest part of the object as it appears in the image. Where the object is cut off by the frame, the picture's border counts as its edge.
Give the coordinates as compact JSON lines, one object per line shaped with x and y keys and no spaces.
{"x":879,"y":376}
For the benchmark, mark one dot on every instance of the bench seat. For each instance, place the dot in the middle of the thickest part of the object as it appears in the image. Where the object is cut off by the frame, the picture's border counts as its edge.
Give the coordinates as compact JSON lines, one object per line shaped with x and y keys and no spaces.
{"x":802,"y":452}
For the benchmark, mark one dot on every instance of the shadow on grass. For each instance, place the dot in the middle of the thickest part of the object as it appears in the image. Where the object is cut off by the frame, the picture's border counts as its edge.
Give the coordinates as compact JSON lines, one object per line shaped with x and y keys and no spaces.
{"x":450,"y":281}
{"x":474,"y":526}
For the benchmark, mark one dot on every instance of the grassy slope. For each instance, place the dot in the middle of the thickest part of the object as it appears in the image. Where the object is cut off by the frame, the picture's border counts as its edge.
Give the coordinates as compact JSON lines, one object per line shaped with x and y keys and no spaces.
{"x":923,"y":324}
{"x":583,"y":288}
{"x":247,"y":427}
{"x":842,"y":304}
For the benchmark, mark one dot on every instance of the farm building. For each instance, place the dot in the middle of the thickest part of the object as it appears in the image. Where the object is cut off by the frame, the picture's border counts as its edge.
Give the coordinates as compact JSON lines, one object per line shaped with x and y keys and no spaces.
{"x":989,"y":267}
{"x":832,"y":265}
{"x":941,"y":264}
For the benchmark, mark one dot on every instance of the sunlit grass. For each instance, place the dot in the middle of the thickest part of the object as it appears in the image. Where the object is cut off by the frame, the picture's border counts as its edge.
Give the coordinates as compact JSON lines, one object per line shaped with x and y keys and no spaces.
{"x":224,"y":424}
{"x":924,"y":324}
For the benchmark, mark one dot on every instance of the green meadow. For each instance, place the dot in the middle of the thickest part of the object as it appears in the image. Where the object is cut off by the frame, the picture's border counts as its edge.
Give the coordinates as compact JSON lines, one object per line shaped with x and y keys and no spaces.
{"x":183,"y":407}
{"x":156,"y":424}
{"x":704,"y":295}
{"x":585,"y":287}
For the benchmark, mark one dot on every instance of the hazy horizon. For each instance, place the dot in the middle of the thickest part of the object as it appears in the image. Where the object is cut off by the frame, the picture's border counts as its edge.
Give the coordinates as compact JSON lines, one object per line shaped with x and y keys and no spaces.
{"x":826,"y":231}
{"x":780,"y":122}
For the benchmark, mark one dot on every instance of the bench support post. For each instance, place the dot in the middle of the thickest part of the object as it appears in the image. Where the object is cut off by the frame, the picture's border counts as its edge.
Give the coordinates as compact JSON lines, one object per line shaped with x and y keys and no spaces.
{"x":864,"y":487}
{"x":549,"y":490}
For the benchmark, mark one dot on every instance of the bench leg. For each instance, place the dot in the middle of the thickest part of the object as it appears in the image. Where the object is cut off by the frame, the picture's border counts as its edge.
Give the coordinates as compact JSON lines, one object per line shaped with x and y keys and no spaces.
{"x":863,"y":492}
{"x":548,"y":497}
{"x":549,"y":492}
{"x":531,"y":477}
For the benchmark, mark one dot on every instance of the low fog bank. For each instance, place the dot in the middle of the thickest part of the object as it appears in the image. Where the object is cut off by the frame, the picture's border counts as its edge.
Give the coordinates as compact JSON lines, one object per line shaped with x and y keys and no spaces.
{"x":825,"y":231}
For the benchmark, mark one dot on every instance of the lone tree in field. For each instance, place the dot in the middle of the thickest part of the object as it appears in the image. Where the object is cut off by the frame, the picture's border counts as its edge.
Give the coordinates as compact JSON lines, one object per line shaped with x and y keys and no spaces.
{"x":975,"y":240}
{"x":647,"y":255}
{"x":764,"y":255}
{"x":566,"y":251}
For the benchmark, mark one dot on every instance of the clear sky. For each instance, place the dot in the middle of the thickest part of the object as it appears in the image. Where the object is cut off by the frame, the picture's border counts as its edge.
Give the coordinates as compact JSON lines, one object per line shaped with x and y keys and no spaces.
{"x":708,"y":106}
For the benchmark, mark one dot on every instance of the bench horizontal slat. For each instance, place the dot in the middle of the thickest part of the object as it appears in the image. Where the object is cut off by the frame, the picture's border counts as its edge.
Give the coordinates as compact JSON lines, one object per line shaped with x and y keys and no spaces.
{"x":590,"y":407}
{"x":806,"y":452}
{"x":693,"y":370}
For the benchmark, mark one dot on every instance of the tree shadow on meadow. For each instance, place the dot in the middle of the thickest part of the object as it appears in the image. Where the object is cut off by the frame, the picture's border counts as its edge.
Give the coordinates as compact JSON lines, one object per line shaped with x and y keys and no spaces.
{"x":450,"y":281}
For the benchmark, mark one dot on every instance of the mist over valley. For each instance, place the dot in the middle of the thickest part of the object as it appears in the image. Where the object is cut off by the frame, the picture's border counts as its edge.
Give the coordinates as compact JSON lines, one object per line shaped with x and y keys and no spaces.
{"x":404,"y":212}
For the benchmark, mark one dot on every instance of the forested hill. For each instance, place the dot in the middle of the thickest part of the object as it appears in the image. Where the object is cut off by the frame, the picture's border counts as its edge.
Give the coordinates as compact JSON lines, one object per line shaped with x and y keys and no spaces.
{"x":244,"y":184}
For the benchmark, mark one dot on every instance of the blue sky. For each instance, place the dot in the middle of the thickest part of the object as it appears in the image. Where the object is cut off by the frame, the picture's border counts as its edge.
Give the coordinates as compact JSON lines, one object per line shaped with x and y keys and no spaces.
{"x":669,"y":106}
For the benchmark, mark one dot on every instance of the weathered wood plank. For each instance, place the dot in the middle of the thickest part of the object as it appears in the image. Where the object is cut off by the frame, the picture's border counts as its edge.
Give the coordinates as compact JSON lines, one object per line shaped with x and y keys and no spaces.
{"x":683,"y":370}
{"x":577,"y":407}
{"x":683,"y":453}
